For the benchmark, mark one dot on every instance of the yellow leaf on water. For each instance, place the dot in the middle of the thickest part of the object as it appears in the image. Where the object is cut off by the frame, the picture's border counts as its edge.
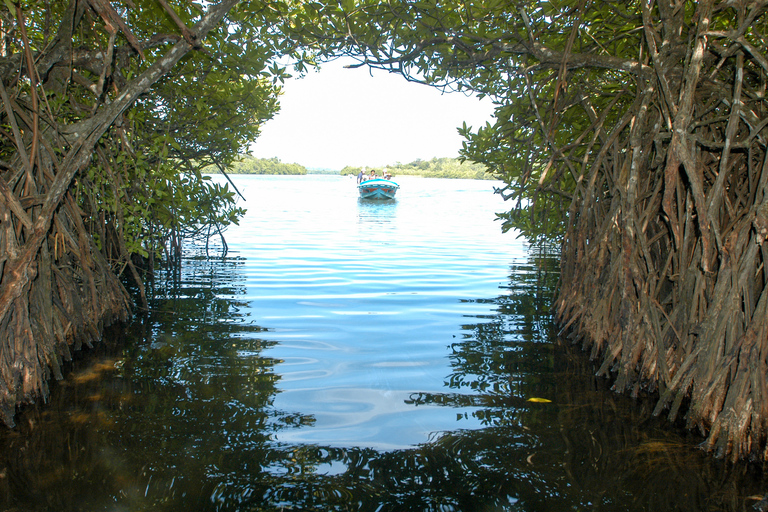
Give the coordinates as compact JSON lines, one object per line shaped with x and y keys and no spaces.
{"x":539,"y":400}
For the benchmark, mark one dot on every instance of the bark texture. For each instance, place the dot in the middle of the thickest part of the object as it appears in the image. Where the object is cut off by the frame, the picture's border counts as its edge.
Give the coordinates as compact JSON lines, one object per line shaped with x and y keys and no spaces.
{"x":663,"y":263}
{"x":58,"y":286}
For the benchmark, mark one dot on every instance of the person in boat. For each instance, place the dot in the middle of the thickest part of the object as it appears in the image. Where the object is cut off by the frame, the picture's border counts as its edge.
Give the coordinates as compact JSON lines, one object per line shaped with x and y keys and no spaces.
{"x":360,"y":176}
{"x":387,"y":175}
{"x":373,"y":174}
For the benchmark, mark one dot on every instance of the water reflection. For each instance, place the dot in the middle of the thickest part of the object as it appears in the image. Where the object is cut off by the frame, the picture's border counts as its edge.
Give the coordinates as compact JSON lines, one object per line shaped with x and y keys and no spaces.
{"x":162,"y":414}
{"x":371,"y":211}
{"x":177,"y":413}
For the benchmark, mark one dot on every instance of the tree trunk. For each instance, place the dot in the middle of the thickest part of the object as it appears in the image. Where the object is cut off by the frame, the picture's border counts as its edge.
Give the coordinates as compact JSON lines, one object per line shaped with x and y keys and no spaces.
{"x":57,"y":290}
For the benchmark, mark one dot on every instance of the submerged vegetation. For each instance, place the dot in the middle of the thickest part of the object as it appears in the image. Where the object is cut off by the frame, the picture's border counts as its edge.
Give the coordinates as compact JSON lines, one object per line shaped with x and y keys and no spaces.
{"x":435,"y":168}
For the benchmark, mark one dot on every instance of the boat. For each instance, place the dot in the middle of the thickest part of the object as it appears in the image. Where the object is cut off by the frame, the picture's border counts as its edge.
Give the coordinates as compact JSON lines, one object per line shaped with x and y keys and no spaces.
{"x":378,"y":189}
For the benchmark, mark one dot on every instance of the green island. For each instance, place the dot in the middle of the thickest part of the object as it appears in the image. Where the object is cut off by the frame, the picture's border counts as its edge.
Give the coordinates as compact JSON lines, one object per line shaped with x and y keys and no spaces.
{"x":246,"y":164}
{"x":435,"y":168}
{"x":454,"y":168}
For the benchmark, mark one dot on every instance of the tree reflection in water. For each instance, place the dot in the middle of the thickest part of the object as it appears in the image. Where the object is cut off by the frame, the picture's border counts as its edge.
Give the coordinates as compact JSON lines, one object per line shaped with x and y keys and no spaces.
{"x":177,"y":414}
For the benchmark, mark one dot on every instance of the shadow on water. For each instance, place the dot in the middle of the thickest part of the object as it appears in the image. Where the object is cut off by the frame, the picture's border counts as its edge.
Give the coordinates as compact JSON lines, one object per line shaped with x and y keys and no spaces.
{"x":176,"y":412}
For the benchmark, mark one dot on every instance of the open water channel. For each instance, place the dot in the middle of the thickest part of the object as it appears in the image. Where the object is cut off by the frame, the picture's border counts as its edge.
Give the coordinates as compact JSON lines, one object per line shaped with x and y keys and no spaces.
{"x":355,"y":356}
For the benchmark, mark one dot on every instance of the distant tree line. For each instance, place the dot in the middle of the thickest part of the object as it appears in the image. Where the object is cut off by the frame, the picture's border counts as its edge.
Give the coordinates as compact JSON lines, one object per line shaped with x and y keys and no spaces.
{"x":251,"y":165}
{"x":333,"y":172}
{"x":435,"y":168}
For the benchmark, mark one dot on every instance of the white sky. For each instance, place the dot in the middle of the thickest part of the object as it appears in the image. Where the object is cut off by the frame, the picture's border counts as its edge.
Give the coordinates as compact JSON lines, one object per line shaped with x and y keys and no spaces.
{"x":339,"y":117}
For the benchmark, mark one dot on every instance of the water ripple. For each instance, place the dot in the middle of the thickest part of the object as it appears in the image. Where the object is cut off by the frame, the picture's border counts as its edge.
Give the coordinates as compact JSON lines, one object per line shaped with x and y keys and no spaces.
{"x":363,"y":299}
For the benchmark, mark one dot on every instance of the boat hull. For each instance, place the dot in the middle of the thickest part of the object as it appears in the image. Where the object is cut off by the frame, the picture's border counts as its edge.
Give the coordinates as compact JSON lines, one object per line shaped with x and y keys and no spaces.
{"x":378,"y":189}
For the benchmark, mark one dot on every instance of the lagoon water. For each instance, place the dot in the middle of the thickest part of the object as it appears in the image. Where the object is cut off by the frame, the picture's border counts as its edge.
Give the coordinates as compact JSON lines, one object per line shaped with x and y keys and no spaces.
{"x":364,"y":299}
{"x":354,"y":355}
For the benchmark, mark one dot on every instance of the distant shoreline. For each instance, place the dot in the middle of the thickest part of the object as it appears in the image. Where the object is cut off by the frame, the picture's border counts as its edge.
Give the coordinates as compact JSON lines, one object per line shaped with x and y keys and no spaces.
{"x":488,"y":176}
{"x":445,"y":168}
{"x":450,"y":168}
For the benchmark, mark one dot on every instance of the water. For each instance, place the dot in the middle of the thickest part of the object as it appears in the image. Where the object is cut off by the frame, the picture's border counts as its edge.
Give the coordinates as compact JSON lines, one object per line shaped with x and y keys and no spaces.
{"x":364,"y":299}
{"x":351,"y":355}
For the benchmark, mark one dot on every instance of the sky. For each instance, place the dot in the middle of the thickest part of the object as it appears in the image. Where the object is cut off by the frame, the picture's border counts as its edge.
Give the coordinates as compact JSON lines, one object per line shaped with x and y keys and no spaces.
{"x":340,"y":116}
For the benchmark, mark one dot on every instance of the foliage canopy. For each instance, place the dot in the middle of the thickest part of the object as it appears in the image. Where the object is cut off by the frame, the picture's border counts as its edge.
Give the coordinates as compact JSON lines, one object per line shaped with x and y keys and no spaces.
{"x":634,"y":131}
{"x":109,"y":114}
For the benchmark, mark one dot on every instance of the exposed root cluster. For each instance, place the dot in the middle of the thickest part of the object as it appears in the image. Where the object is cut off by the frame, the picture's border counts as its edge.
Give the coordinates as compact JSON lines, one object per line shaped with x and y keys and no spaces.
{"x":664,"y":277}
